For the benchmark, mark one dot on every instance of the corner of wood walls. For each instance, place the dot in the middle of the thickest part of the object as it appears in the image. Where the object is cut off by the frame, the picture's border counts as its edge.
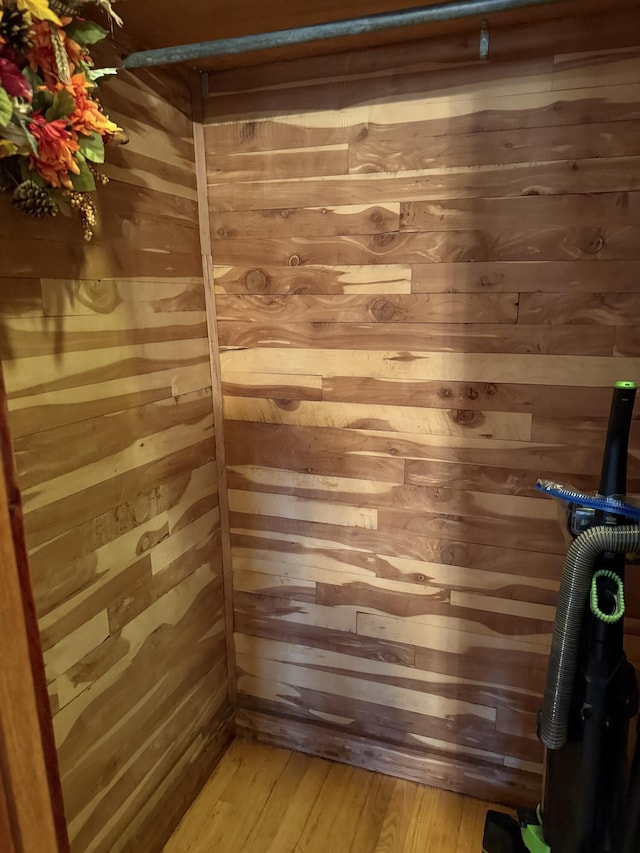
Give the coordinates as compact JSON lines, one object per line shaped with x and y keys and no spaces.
{"x":197,"y":103}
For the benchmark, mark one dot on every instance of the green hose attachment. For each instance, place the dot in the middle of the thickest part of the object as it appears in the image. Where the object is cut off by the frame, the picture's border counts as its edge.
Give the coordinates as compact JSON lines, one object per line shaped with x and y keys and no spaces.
{"x":609,"y":618}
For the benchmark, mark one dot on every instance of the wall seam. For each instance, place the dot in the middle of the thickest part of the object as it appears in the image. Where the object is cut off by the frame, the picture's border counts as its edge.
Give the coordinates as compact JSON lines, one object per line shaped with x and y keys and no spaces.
{"x":216,"y":374}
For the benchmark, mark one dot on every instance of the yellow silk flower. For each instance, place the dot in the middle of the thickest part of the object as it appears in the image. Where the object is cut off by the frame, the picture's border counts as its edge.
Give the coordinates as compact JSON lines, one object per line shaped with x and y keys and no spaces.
{"x":39,"y":9}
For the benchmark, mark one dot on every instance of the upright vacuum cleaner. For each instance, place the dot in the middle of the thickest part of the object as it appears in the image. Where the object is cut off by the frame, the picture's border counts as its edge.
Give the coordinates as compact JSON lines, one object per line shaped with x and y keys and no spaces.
{"x":590,"y":801}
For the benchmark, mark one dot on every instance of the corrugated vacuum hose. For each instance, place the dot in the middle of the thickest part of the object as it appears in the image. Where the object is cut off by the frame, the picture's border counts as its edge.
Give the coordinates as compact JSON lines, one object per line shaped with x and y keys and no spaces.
{"x":573,"y":598}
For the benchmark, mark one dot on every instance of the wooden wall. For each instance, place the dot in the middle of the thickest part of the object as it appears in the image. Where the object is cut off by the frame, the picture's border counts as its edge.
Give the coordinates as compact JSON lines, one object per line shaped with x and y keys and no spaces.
{"x":427,"y":277}
{"x":106,"y":357}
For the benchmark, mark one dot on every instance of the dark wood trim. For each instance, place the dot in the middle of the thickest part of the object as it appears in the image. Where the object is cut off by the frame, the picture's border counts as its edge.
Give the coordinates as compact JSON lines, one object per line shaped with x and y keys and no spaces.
{"x":31,"y":804}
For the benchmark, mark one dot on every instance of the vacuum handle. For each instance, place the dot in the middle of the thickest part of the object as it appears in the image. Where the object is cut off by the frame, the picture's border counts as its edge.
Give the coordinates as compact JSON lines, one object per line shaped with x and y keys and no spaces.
{"x":613,"y":480}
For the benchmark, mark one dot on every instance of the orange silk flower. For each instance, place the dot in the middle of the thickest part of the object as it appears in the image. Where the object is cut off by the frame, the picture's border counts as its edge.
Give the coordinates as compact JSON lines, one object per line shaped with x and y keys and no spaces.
{"x":56,"y":147}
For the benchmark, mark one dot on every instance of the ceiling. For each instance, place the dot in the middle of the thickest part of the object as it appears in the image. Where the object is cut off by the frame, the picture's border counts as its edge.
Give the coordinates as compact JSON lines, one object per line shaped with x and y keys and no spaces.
{"x":162,"y":23}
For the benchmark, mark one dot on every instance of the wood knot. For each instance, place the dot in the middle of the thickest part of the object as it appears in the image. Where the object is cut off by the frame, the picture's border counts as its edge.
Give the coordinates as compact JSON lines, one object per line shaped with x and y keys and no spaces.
{"x":384,"y":240}
{"x":485,"y":281}
{"x":382,"y":310}
{"x":363,"y":133}
{"x":471,"y":393}
{"x":466,"y":417}
{"x":287,"y":405}
{"x":490,"y":389}
{"x":284,"y":213}
{"x":294,"y":261}
{"x":257,"y":281}
{"x":594,"y":244}
{"x":445,"y":393}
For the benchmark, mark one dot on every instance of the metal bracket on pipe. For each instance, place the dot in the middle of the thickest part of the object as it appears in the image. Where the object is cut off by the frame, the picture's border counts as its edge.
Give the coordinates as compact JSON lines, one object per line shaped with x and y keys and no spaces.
{"x":484,"y":39}
{"x":320,"y":32}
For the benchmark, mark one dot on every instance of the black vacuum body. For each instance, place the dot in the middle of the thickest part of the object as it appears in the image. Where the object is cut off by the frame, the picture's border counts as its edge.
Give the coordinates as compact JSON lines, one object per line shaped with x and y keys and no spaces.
{"x":590,"y":803}
{"x":586,"y":780}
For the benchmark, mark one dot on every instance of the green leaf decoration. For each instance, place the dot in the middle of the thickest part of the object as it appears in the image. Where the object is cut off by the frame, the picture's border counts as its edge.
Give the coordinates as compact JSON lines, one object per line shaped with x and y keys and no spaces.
{"x":18,"y":133}
{"x":85,"y":32}
{"x":92,"y":147}
{"x":31,"y":142}
{"x":95,"y":74}
{"x":32,"y":78}
{"x":31,"y":175}
{"x":63,"y":105}
{"x":6,"y":108}
{"x":83,"y":182}
{"x":42,"y":101}
{"x":63,"y":205}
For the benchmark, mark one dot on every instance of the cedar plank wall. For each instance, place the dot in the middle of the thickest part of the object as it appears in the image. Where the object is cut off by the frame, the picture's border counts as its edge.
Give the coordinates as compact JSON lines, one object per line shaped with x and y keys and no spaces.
{"x":106,"y":358}
{"x":426,"y":282}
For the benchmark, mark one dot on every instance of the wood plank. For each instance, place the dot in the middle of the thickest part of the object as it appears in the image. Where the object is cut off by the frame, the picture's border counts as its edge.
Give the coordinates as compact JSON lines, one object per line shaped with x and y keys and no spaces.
{"x":438,"y":308}
{"x":33,"y":337}
{"x":263,"y":444}
{"x":459,"y":337}
{"x":61,"y":297}
{"x":314,"y":221}
{"x":392,"y":278}
{"x":551,"y":243}
{"x":343,"y":795}
{"x":538,"y":211}
{"x":286,"y":387}
{"x":301,"y":508}
{"x":543,"y":400}
{"x":389,"y":152}
{"x":603,"y":309}
{"x":532,"y":369}
{"x":523,"y":276}
{"x":544,"y":536}
{"x":405,"y":419}
{"x":332,"y":159}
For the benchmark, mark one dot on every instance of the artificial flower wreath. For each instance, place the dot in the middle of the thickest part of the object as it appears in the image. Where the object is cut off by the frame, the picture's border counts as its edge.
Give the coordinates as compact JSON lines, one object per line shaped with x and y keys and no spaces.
{"x":52,"y":127}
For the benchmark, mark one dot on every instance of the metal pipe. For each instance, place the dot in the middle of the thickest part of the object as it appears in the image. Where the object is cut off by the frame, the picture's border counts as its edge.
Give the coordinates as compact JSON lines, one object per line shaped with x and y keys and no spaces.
{"x":322,"y":32}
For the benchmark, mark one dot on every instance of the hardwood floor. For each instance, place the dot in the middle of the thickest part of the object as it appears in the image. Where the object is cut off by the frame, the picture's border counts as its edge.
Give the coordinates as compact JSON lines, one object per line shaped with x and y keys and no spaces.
{"x":262,"y":799}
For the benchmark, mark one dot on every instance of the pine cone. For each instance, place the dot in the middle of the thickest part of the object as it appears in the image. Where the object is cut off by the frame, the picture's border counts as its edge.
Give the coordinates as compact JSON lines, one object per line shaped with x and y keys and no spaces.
{"x":32,"y":199}
{"x":15,"y":29}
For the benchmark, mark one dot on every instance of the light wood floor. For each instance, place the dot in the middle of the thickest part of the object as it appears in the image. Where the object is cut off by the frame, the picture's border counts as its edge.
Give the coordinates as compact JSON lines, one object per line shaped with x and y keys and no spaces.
{"x":266,"y":800}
